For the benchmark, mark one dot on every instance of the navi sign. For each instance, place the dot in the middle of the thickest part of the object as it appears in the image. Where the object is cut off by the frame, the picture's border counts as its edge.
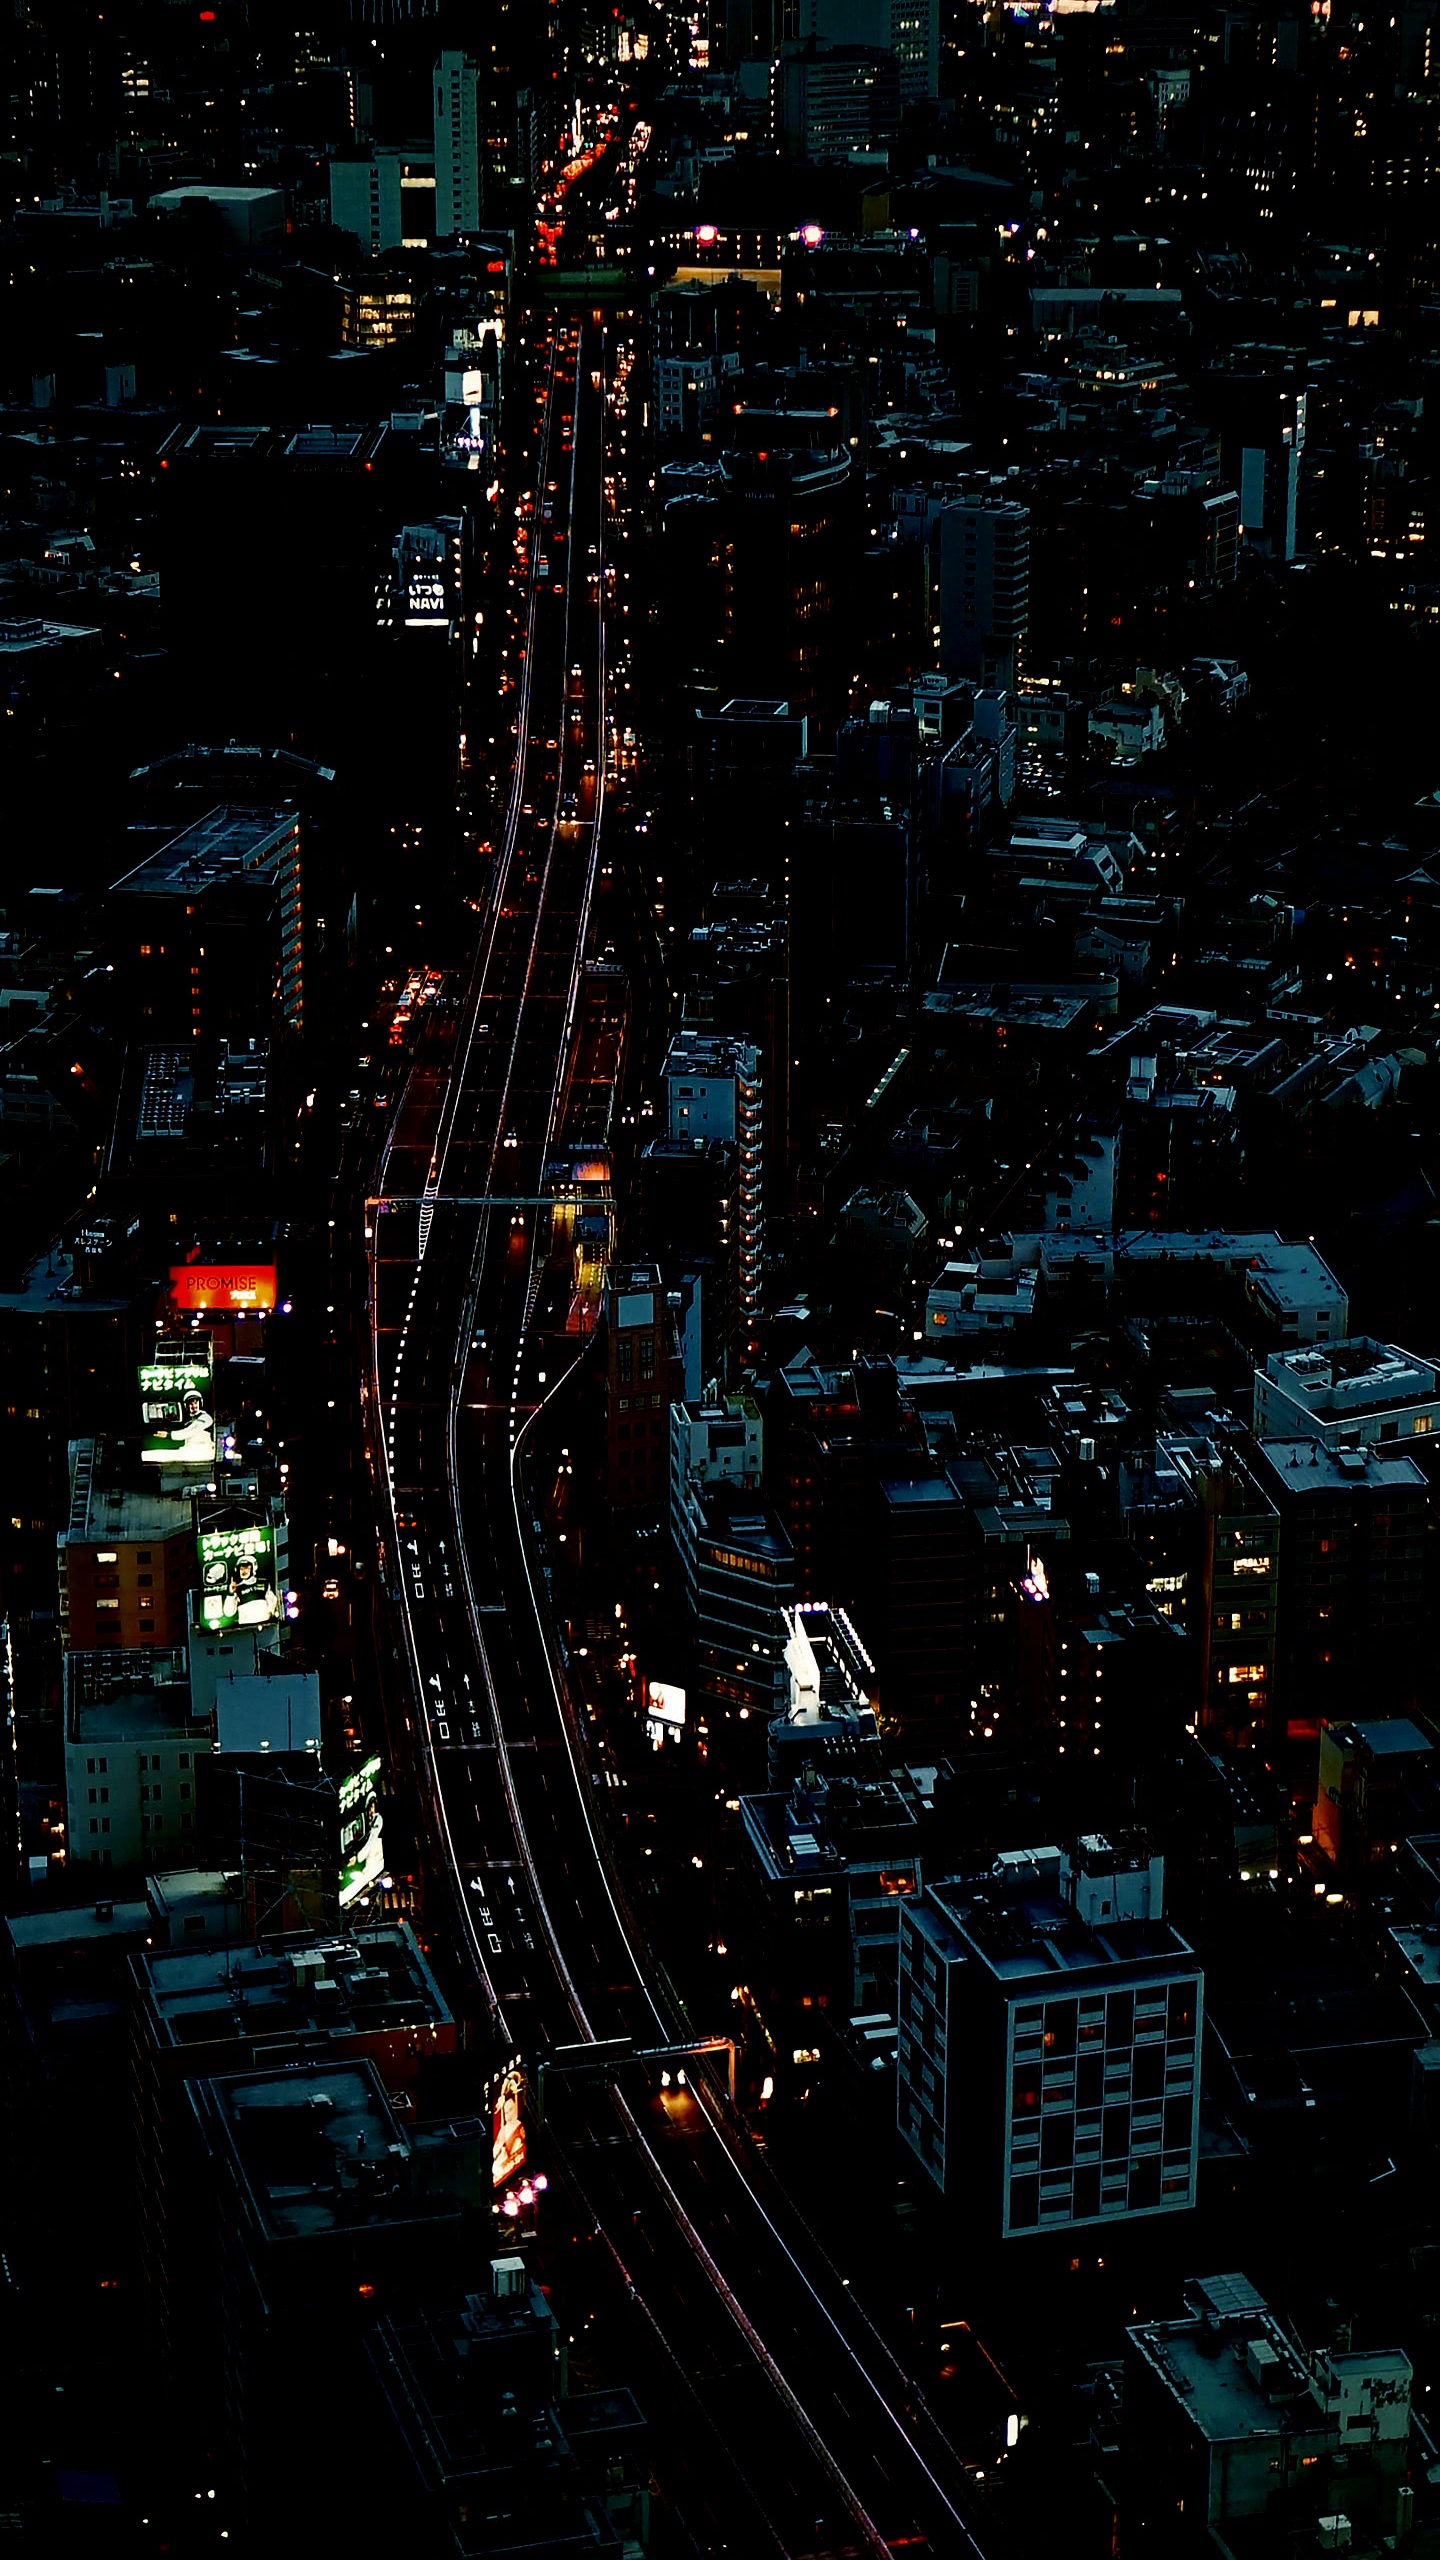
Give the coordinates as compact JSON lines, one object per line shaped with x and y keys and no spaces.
{"x":362,"y":1846}
{"x":237,"y":1577}
{"x":176,"y":1417}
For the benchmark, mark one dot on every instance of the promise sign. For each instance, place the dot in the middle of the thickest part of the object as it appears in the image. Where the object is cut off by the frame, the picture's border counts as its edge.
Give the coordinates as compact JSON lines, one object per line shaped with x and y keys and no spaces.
{"x":202,"y":1288}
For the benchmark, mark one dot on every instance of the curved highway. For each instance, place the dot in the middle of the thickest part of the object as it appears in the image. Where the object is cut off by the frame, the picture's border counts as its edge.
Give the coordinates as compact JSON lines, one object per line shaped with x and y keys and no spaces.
{"x":791,"y":2426}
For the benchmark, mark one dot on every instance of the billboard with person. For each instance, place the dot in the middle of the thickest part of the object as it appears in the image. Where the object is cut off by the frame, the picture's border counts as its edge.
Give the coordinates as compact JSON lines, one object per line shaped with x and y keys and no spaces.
{"x":177,"y":1419}
{"x":507,"y":2125}
{"x":238,"y":1585}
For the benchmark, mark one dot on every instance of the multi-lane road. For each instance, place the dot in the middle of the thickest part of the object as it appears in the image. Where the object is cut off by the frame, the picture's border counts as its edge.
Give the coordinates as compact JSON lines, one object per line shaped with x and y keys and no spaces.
{"x":784,"y":2423}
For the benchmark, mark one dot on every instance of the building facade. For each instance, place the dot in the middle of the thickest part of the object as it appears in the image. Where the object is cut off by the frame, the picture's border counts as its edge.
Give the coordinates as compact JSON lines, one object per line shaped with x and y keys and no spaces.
{"x":713,"y":1090}
{"x":1049,"y":2041}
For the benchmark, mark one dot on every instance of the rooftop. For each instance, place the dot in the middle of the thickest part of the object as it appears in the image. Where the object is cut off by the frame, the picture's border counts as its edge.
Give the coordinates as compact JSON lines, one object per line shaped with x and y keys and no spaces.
{"x":1022,"y":1925}
{"x":314,"y":2149}
{"x":101,"y":1508}
{"x":1209,"y":2372}
{"x":466,"y":2431}
{"x":377,"y":1982}
{"x":1310,"y":1466}
{"x":79,"y":1924}
{"x":50,"y":1287}
{"x":129,"y":1694}
{"x":1349,"y":1377}
{"x":228,"y":844}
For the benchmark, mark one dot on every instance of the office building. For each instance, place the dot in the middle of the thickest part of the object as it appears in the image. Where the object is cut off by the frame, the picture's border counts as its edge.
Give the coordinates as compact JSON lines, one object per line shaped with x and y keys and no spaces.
{"x":738,"y":982}
{"x":833,"y":102}
{"x":385,"y":197}
{"x":132,"y":1744}
{"x":827,"y":1866}
{"x":787,"y":529}
{"x":365,"y":199}
{"x":363,"y":1990}
{"x":206,"y":2005}
{"x":1358,"y":1393}
{"x":713,"y":1090}
{"x":689,"y":1219}
{"x":984,"y":590}
{"x":1235,"y":2430}
{"x":1377,"y":1781}
{"x":313,"y":2206}
{"x":1350,"y":1609}
{"x":1049,"y":2046}
{"x":738,"y":1574}
{"x":642,"y":1376}
{"x":917,"y":1584}
{"x":208,"y":923}
{"x":473,"y":2411}
{"x":70,"y":1345}
{"x":459,"y":191}
{"x":64,"y":2071}
{"x":1107,"y":1679}
{"x":907,"y":29}
{"x":377,"y":312}
{"x":125,"y":1559}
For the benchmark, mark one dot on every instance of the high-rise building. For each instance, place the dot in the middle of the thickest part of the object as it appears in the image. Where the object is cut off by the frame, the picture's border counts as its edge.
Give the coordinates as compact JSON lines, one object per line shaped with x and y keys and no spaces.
{"x":1351,"y":1604}
{"x":739,"y":1578}
{"x":1049,"y":2040}
{"x":736,"y":1562}
{"x":984,"y":589}
{"x":365,"y":198}
{"x":787,"y":530}
{"x":71,"y":1338}
{"x":908,"y":29}
{"x":458,"y":186}
{"x":688,"y":1204}
{"x":1233,"y":1606}
{"x":828,"y":101}
{"x":642,"y":1375}
{"x":205,"y":920}
{"x":713,"y":1090}
{"x":132,"y":1748}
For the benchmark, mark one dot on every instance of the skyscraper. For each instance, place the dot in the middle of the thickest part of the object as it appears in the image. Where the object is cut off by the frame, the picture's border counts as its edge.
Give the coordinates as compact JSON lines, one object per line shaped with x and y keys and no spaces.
{"x":984,"y":589}
{"x":908,"y":29}
{"x":457,"y":146}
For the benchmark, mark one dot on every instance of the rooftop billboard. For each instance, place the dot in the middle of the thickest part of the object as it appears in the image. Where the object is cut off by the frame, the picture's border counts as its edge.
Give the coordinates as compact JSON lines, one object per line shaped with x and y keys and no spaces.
{"x":209,"y":1288}
{"x":237,"y":1577}
{"x":177,"y":1419}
